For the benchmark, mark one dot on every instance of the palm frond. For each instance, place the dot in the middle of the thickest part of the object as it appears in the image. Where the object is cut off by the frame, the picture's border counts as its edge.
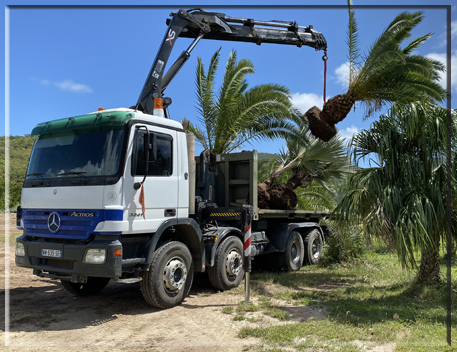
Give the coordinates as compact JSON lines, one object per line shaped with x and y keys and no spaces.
{"x":353,"y":43}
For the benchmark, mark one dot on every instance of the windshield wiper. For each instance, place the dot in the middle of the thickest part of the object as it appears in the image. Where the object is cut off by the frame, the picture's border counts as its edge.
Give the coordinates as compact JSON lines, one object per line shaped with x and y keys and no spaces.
{"x":38,"y":176}
{"x":77,"y":173}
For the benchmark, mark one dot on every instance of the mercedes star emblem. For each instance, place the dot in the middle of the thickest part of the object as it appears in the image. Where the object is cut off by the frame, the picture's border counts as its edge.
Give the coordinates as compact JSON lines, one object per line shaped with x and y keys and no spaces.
{"x":54,"y":222}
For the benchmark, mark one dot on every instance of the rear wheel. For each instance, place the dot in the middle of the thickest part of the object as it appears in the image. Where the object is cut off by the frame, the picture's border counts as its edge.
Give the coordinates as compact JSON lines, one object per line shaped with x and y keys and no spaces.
{"x":93,"y":286}
{"x":292,"y":258}
{"x":227,"y":271}
{"x":313,"y":247}
{"x":170,"y":276}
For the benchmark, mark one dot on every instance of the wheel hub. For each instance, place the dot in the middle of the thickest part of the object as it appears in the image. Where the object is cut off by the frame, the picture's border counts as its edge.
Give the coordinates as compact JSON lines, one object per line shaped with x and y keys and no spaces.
{"x":174,"y":274}
{"x":316,"y":248}
{"x":295,"y":253}
{"x":233,"y":263}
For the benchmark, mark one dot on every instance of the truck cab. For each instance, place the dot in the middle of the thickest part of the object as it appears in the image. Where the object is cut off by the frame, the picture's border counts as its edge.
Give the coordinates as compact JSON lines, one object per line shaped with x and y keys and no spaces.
{"x":81,"y":211}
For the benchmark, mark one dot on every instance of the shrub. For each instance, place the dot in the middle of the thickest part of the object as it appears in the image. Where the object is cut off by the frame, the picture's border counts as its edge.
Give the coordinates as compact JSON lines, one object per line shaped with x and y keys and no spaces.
{"x":345,"y":244}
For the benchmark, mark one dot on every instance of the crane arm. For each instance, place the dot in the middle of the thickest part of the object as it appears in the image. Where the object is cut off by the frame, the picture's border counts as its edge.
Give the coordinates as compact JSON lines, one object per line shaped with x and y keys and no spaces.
{"x":201,"y":24}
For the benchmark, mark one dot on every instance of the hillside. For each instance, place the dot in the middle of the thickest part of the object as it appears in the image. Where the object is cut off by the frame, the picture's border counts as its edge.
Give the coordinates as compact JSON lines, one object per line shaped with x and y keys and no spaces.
{"x":20,"y":149}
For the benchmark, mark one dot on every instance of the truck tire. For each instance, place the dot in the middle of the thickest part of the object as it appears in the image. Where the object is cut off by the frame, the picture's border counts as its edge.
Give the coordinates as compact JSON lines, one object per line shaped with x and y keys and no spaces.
{"x":292,"y":258}
{"x":93,"y":286}
{"x":170,"y":276}
{"x":228,"y":270}
{"x":313,"y":247}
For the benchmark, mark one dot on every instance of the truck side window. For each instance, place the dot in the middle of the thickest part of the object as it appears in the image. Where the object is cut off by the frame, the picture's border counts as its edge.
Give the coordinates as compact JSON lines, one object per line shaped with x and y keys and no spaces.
{"x":163,"y":166}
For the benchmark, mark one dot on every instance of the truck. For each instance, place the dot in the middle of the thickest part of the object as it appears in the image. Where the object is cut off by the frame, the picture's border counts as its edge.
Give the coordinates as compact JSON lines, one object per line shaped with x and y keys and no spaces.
{"x":117,"y":194}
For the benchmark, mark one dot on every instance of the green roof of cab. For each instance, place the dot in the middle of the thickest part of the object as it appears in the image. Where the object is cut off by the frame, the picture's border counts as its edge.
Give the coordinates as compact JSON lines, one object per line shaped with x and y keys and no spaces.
{"x":90,"y":121}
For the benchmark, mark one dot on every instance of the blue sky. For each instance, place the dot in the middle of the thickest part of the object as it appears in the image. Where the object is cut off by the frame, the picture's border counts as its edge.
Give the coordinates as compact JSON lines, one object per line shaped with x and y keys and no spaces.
{"x":66,"y":62}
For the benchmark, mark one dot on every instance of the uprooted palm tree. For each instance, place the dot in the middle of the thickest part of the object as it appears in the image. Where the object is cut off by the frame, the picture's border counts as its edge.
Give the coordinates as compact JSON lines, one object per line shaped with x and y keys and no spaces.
{"x":310,"y":159}
{"x":235,"y":114}
{"x":403,"y":198}
{"x":387,"y":74}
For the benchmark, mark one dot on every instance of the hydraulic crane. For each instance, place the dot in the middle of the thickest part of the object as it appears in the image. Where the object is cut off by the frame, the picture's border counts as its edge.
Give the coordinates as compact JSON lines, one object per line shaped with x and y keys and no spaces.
{"x":199,"y":24}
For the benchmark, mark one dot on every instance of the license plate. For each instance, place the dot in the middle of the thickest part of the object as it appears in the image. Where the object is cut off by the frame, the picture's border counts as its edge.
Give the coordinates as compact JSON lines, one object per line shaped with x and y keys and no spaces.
{"x":54,"y":253}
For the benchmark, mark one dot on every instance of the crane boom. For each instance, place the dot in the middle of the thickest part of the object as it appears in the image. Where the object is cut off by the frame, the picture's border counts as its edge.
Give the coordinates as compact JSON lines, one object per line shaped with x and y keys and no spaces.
{"x":199,"y":24}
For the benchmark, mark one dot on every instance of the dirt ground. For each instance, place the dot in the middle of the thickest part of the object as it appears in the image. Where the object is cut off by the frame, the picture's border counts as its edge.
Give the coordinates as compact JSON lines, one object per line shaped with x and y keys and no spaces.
{"x":45,"y":317}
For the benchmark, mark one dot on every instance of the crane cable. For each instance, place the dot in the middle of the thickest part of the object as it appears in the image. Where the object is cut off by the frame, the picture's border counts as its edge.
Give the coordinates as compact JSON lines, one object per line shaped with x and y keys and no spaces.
{"x":325,"y":58}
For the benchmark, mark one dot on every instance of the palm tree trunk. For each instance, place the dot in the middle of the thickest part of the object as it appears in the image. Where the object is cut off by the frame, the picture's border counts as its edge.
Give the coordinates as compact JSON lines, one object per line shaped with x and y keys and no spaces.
{"x":338,"y":107}
{"x":429,"y":269}
{"x":322,"y":123}
{"x":282,"y":196}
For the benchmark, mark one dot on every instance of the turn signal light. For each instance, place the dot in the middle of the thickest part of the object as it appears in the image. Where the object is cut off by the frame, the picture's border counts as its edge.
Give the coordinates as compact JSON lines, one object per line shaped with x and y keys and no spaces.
{"x":118,"y":252}
{"x":158,"y":103}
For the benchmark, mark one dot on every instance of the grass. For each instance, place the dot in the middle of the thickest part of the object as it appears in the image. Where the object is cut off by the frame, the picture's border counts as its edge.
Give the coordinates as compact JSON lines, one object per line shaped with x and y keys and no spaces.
{"x":12,"y":236}
{"x":362,"y":301}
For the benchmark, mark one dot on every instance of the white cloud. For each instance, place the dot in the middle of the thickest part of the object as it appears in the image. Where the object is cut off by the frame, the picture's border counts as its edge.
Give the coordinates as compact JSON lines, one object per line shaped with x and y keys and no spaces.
{"x":443,"y":79}
{"x":342,"y":74}
{"x":348,"y":132}
{"x":443,"y":36}
{"x":305,"y":101}
{"x":45,"y":82}
{"x":69,"y":85}
{"x":454,"y":30}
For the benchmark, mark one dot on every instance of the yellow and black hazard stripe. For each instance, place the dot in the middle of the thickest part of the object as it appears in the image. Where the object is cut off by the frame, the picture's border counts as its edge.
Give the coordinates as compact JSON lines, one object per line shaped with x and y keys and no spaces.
{"x":225,"y":214}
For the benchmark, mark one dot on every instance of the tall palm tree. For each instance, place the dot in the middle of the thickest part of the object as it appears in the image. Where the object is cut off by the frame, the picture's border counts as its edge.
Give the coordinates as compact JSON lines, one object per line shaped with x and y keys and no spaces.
{"x":403,"y":197}
{"x":387,"y":74}
{"x":237,"y":114}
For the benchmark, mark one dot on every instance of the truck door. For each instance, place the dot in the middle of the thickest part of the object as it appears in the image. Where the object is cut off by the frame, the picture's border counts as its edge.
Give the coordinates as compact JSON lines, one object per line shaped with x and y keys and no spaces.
{"x":160,"y":186}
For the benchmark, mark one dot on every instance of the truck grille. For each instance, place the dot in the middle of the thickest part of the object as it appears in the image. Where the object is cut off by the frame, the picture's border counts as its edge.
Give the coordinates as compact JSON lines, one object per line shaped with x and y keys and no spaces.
{"x":36,"y":223}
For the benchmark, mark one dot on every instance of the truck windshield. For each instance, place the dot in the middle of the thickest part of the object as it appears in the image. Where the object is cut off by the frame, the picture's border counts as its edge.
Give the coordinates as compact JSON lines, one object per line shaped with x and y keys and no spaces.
{"x":74,"y":153}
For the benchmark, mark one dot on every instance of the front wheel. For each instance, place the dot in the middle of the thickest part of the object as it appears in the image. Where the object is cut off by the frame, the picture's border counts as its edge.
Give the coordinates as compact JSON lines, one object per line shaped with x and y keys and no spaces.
{"x":170,"y":276}
{"x":93,"y":286}
{"x":313,"y":247}
{"x":227,"y":271}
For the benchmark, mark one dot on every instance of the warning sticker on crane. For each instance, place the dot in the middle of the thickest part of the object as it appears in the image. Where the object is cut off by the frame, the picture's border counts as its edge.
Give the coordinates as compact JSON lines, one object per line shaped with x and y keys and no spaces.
{"x":158,"y":69}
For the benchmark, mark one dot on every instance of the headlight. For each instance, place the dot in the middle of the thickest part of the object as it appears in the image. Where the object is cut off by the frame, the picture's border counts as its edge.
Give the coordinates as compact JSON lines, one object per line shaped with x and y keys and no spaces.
{"x":95,"y":256}
{"x":20,"y":250}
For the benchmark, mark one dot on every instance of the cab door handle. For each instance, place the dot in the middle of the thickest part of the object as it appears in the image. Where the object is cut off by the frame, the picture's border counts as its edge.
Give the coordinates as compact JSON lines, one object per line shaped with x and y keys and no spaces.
{"x":170,"y":212}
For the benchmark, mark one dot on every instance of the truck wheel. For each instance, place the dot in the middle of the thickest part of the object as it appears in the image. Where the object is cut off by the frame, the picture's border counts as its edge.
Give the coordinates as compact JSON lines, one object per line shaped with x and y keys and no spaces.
{"x":227,"y":271}
{"x":170,"y":276}
{"x":93,"y":286}
{"x":313,"y":246}
{"x":292,"y":258}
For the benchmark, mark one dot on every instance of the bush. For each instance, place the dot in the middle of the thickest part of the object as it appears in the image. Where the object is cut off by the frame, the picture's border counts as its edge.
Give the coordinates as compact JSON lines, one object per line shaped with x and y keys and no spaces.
{"x":345,"y":244}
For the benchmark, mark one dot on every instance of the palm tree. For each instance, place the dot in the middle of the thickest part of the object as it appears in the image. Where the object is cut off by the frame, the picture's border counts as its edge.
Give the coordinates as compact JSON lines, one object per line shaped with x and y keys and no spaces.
{"x":387,"y":74}
{"x":310,"y":160}
{"x":402,"y":198}
{"x":236,"y":114}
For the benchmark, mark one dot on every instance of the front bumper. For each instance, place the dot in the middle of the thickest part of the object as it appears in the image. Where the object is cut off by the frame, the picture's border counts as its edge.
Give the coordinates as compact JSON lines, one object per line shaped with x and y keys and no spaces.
{"x":71,"y":265}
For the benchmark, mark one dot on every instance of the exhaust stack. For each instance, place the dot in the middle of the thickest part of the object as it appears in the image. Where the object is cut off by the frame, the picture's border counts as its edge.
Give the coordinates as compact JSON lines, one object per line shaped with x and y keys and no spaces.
{"x":192,"y":177}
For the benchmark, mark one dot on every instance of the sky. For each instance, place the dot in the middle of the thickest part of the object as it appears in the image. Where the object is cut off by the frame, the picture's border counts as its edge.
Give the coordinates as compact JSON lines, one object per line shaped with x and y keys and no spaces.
{"x":69,"y":61}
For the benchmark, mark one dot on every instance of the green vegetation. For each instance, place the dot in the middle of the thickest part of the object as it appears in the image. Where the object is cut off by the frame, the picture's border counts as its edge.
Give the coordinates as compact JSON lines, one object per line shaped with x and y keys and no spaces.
{"x":370,"y":302}
{"x":402,"y":199}
{"x":227,"y":310}
{"x":387,"y":73}
{"x":20,"y":149}
{"x":346,"y":244}
{"x":235,"y":114}
{"x":306,"y":160}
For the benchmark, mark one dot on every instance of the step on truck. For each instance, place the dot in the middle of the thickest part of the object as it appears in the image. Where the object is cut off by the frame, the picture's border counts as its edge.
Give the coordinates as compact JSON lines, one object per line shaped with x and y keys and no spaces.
{"x":118,"y":195}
